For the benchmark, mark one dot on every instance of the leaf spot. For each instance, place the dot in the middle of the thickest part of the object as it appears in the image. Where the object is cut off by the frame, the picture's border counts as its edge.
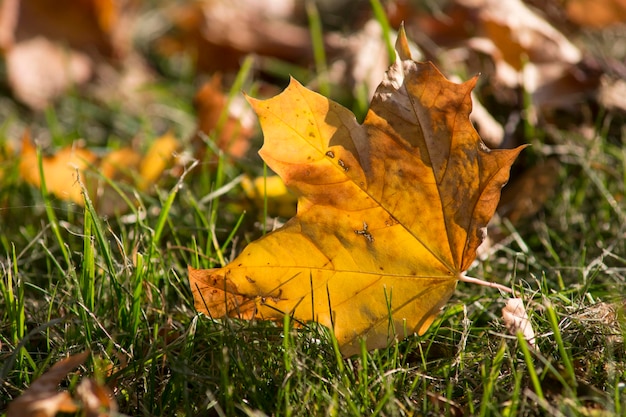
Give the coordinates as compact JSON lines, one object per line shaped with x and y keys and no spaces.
{"x":330,"y":154}
{"x":367,"y":235}
{"x":343,"y":165}
{"x":391,"y":221}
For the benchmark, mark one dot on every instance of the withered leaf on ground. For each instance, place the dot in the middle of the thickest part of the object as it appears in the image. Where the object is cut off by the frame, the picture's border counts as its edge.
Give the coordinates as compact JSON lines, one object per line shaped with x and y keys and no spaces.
{"x":390,"y":212}
{"x":42,"y":398}
{"x":205,"y":29}
{"x":50,"y":47}
{"x":230,"y":128}
{"x":39,"y":70}
{"x":516,"y":320}
{"x":597,"y":13}
{"x":97,"y":27}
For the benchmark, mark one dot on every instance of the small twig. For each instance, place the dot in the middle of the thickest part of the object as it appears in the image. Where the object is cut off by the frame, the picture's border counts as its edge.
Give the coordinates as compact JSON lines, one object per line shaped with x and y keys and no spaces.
{"x":478,"y":281}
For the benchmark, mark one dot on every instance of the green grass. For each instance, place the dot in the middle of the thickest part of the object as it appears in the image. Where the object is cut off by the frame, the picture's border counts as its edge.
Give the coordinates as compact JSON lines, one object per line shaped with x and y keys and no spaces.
{"x":72,"y":280}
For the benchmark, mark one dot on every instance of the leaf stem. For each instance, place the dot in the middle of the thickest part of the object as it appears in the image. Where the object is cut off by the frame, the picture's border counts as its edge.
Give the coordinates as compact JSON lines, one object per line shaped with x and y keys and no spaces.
{"x":478,"y":281}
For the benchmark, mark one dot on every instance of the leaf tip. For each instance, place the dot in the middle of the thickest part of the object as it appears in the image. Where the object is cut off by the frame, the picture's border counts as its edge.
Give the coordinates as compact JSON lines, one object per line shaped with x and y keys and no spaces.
{"x":402,"y":44}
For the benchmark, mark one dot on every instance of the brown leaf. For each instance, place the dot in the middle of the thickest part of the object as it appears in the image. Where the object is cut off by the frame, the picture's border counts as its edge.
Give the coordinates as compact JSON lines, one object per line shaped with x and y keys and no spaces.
{"x":42,"y":398}
{"x":205,"y":29}
{"x":612,"y":94}
{"x":531,"y":53}
{"x":230,"y":128}
{"x":527,"y":194}
{"x":390,"y":212}
{"x":51,"y":46}
{"x":92,"y":26}
{"x":97,"y":400}
{"x":519,"y":32}
{"x":597,"y":13}
{"x":9,"y":14}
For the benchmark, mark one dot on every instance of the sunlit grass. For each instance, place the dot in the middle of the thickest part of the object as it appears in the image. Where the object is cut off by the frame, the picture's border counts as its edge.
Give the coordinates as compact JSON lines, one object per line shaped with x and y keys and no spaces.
{"x":119,"y":288}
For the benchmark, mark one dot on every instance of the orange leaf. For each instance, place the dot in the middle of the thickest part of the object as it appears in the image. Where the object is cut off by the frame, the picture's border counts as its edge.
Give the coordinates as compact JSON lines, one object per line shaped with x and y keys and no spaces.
{"x":597,"y":13}
{"x":390,"y":212}
{"x":93,"y":26}
{"x":231,"y":131}
{"x":61,"y":171}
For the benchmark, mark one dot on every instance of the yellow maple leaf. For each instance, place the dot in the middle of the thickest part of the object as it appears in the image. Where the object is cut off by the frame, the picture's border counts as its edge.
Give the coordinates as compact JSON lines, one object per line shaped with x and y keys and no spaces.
{"x":390,"y":212}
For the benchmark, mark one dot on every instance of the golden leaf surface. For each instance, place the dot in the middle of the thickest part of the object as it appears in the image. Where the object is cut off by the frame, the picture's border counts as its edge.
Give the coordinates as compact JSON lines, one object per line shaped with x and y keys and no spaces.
{"x":390,"y":212}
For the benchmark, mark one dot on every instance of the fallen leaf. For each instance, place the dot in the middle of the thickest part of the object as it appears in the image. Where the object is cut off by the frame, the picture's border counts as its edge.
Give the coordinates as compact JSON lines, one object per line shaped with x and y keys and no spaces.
{"x":119,"y":164}
{"x":97,"y":27}
{"x":97,"y":400}
{"x":159,"y":157}
{"x":205,"y":30}
{"x":529,"y":52}
{"x":367,"y":57}
{"x":63,"y":170}
{"x":491,"y":132}
{"x":521,"y":34}
{"x":612,"y":93}
{"x":270,"y":190}
{"x":9,"y":14}
{"x":390,"y":212}
{"x":525,"y":196}
{"x":597,"y":13}
{"x":39,"y":71}
{"x":42,"y":398}
{"x":231,"y":128}
{"x":516,"y":320}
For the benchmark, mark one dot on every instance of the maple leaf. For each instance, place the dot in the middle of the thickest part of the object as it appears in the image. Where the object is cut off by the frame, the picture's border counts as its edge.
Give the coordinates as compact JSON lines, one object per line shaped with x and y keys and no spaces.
{"x":390,"y":212}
